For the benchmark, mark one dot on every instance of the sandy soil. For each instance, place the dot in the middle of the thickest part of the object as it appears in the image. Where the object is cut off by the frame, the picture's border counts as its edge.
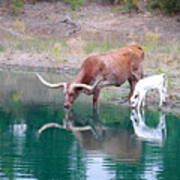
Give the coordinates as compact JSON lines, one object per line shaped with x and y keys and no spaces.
{"x":45,"y":20}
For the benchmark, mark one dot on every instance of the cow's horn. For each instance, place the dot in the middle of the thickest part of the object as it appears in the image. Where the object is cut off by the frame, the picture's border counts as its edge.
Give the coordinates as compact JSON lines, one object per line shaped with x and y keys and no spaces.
{"x":85,"y":86}
{"x":58,"y":85}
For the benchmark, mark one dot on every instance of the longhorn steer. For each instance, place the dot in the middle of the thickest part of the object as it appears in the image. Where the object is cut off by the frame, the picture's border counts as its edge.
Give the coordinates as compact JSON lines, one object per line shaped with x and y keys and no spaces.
{"x":98,"y":71}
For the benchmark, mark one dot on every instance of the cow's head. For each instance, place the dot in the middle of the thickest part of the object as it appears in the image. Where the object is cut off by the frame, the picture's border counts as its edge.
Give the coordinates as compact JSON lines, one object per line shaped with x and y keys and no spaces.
{"x":71,"y":89}
{"x":134,"y":100}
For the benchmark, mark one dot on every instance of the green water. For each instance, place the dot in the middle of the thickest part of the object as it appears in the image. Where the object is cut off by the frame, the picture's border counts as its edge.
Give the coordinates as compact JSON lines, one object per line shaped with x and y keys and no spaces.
{"x":108,"y":145}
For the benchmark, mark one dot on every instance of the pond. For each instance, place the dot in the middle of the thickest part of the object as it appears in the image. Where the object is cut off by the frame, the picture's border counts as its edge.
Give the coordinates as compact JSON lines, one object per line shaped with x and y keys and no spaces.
{"x":39,"y":140}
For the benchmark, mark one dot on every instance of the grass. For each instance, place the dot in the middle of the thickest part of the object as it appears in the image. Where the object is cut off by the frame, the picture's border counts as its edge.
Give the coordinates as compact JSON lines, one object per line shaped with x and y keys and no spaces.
{"x":113,"y":93}
{"x":102,"y":46}
{"x":54,"y":48}
{"x":110,"y":95}
{"x":158,"y":55}
{"x":162,"y":54}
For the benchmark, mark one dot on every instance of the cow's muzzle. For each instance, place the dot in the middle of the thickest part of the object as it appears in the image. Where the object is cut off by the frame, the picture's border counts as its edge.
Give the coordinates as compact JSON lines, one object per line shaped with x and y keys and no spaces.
{"x":67,"y":105}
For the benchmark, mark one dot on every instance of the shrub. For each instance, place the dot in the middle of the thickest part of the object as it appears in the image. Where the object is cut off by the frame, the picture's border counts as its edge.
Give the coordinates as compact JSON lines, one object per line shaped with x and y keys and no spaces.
{"x":168,"y":6}
{"x":16,"y":4}
{"x":74,"y":4}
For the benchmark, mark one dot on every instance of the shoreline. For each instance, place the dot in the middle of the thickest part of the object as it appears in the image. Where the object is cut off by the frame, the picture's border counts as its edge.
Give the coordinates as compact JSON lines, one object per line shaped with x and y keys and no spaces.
{"x":172,"y":106}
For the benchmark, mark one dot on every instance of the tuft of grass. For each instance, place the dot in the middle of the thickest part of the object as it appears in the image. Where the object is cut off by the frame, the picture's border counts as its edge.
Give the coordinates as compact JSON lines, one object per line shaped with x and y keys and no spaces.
{"x":151,"y":38}
{"x":19,"y":25}
{"x":57,"y":53}
{"x":90,"y":47}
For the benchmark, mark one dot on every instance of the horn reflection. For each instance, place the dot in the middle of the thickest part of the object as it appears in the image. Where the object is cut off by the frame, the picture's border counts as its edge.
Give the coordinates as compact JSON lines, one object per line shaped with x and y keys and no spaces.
{"x":95,"y":137}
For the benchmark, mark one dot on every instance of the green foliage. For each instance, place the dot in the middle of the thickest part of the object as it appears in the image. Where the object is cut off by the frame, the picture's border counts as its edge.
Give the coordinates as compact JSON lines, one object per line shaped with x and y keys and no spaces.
{"x":152,"y":4}
{"x":131,"y":4}
{"x":159,"y":70}
{"x":125,"y":5}
{"x":15,"y":6}
{"x":168,"y":6}
{"x":74,"y":4}
{"x":114,"y":1}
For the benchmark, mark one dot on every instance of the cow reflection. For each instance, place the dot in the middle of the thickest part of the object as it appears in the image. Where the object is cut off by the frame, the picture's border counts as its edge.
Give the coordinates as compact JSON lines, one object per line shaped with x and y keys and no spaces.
{"x":157,"y":134}
{"x":96,"y":138}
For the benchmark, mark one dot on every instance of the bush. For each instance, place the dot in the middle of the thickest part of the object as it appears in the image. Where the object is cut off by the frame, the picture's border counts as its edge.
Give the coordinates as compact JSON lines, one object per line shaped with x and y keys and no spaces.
{"x":168,"y":6}
{"x":16,"y":4}
{"x":74,"y":4}
{"x":125,"y":5}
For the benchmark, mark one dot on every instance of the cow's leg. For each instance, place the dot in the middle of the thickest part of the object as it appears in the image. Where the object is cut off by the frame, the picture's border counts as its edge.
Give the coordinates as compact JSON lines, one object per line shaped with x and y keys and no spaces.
{"x":164,"y":91}
{"x":95,"y":97}
{"x":141,"y":100}
{"x":132,"y":83}
{"x":139,"y":103}
{"x":162,"y":97}
{"x":135,"y":77}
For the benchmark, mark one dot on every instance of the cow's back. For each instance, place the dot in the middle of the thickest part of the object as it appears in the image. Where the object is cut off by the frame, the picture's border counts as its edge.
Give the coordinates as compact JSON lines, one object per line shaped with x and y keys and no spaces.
{"x":114,"y":66}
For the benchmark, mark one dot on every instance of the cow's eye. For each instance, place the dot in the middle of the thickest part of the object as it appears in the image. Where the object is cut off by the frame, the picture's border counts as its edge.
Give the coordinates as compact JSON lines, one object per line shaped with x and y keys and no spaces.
{"x":136,"y":96}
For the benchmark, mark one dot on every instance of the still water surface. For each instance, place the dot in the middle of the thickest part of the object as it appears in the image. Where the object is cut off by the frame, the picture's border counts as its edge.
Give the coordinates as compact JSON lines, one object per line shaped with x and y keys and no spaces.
{"x":115,"y":143}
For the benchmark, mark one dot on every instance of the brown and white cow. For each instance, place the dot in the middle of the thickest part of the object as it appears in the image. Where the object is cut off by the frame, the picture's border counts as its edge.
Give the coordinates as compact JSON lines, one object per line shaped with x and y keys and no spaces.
{"x":98,"y":71}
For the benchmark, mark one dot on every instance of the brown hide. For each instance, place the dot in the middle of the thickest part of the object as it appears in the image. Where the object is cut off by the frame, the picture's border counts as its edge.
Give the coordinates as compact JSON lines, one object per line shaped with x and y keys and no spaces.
{"x":112,"y":68}
{"x":115,"y":67}
{"x":109,"y":69}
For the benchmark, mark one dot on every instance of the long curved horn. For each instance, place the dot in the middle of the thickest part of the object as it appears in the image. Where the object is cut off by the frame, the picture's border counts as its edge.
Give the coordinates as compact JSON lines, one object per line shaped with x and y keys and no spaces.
{"x":85,"y":86}
{"x":58,"y":85}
